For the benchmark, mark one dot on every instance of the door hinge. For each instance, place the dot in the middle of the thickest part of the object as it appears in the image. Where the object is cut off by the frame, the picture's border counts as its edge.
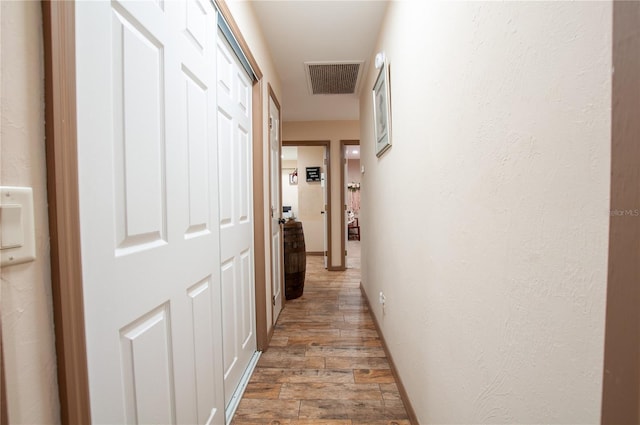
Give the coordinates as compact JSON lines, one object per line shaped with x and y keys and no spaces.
{"x":345,"y":207}
{"x":345,"y":252}
{"x":326,"y":207}
{"x":325,"y":161}
{"x":273,"y":300}
{"x":345,"y":161}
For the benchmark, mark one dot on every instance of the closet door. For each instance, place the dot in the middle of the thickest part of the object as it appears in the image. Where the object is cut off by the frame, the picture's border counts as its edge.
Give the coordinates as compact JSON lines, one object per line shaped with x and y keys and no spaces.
{"x":236,"y":219}
{"x":148,"y":171}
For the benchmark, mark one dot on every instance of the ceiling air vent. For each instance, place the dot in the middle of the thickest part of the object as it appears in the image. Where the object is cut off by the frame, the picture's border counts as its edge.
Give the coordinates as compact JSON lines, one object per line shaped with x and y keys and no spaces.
{"x":333,"y":77}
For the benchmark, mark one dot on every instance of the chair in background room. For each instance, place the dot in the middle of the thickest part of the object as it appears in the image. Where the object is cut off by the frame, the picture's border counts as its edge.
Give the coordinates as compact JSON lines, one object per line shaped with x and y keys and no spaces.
{"x":353,"y":230}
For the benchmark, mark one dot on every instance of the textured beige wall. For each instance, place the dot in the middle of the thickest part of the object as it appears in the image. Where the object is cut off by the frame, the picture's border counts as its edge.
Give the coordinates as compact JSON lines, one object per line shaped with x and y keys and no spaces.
{"x":333,"y":131}
{"x":27,"y":317}
{"x":495,"y":267}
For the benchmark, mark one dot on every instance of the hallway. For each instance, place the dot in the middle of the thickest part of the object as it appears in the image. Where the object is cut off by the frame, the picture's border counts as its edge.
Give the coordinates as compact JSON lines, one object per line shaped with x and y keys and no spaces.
{"x":325,"y":363}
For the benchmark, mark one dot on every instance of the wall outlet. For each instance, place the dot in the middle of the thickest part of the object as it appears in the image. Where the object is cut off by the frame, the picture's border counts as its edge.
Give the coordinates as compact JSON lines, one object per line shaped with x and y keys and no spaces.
{"x":382,"y":299}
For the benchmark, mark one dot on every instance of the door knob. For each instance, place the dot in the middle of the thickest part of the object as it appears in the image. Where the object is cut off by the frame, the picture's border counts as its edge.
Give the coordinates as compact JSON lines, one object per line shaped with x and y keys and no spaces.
{"x":321,"y":212}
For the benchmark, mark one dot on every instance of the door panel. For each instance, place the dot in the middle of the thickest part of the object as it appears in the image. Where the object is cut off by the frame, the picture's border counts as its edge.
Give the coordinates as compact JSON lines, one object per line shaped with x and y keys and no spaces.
{"x":147,"y":369}
{"x":202,"y":314}
{"x":139,"y":152}
{"x":236,"y":221}
{"x":277,"y":265}
{"x":198,"y":148}
{"x":247,"y":334}
{"x":148,"y":169}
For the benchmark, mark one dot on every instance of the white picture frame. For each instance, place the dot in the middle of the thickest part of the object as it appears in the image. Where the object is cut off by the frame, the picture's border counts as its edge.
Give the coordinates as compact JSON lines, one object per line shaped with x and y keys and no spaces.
{"x":381,"y":111}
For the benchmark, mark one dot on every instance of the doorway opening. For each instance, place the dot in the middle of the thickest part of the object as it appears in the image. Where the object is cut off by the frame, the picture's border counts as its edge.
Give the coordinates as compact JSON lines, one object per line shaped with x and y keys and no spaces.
{"x":350,"y":184}
{"x":305,"y":186}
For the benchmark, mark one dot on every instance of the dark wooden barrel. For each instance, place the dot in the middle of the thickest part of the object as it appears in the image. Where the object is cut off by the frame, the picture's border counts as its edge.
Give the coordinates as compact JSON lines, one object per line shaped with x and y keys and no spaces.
{"x":295,"y":259}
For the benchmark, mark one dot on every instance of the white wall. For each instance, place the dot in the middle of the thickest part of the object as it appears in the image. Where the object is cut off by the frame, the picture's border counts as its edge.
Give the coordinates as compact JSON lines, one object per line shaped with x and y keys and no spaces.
{"x":494,"y":269}
{"x":27,"y":318}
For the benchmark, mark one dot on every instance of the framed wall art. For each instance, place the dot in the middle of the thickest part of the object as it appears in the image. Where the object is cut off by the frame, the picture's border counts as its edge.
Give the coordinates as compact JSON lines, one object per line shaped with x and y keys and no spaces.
{"x":382,"y":111}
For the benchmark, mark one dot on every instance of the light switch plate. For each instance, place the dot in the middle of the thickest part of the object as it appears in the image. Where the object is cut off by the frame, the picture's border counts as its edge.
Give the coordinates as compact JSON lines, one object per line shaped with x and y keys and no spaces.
{"x":17,"y":237}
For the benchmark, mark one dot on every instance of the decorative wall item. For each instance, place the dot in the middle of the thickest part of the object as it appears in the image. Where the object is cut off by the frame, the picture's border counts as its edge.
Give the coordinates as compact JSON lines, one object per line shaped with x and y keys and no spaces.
{"x":313,"y":174}
{"x":381,"y":110}
{"x":293,"y":177}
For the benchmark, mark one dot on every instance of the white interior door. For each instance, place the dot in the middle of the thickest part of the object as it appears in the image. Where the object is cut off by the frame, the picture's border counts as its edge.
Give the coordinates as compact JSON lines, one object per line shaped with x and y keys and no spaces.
{"x":236,"y":221}
{"x":146,"y":115}
{"x":277,"y":247}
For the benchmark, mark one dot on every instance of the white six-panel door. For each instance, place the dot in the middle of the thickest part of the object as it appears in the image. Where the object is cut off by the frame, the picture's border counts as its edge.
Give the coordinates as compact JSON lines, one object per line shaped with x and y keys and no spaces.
{"x":277,"y":260}
{"x":148,"y":171}
{"x":236,"y":219}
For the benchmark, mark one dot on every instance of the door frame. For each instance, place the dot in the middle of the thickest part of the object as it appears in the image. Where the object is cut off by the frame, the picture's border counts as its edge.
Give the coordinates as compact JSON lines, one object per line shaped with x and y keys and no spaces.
{"x":327,"y":145}
{"x":63,"y":199}
{"x":273,"y":96}
{"x":343,"y":210}
{"x":4,"y":415}
{"x":621,"y":377}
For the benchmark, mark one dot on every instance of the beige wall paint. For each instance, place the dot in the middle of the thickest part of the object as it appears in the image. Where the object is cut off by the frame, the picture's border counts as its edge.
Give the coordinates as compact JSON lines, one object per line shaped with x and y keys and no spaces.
{"x":245,"y":17}
{"x":495,"y":267}
{"x":27,"y":312}
{"x":333,"y":131}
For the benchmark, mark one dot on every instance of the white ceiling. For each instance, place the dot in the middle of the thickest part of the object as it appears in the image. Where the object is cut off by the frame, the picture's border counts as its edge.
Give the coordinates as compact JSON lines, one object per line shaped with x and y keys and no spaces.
{"x":299,"y":31}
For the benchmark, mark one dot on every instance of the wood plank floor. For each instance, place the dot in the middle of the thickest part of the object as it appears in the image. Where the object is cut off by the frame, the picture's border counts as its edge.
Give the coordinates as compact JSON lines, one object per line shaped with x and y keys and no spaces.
{"x":325,"y":363}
